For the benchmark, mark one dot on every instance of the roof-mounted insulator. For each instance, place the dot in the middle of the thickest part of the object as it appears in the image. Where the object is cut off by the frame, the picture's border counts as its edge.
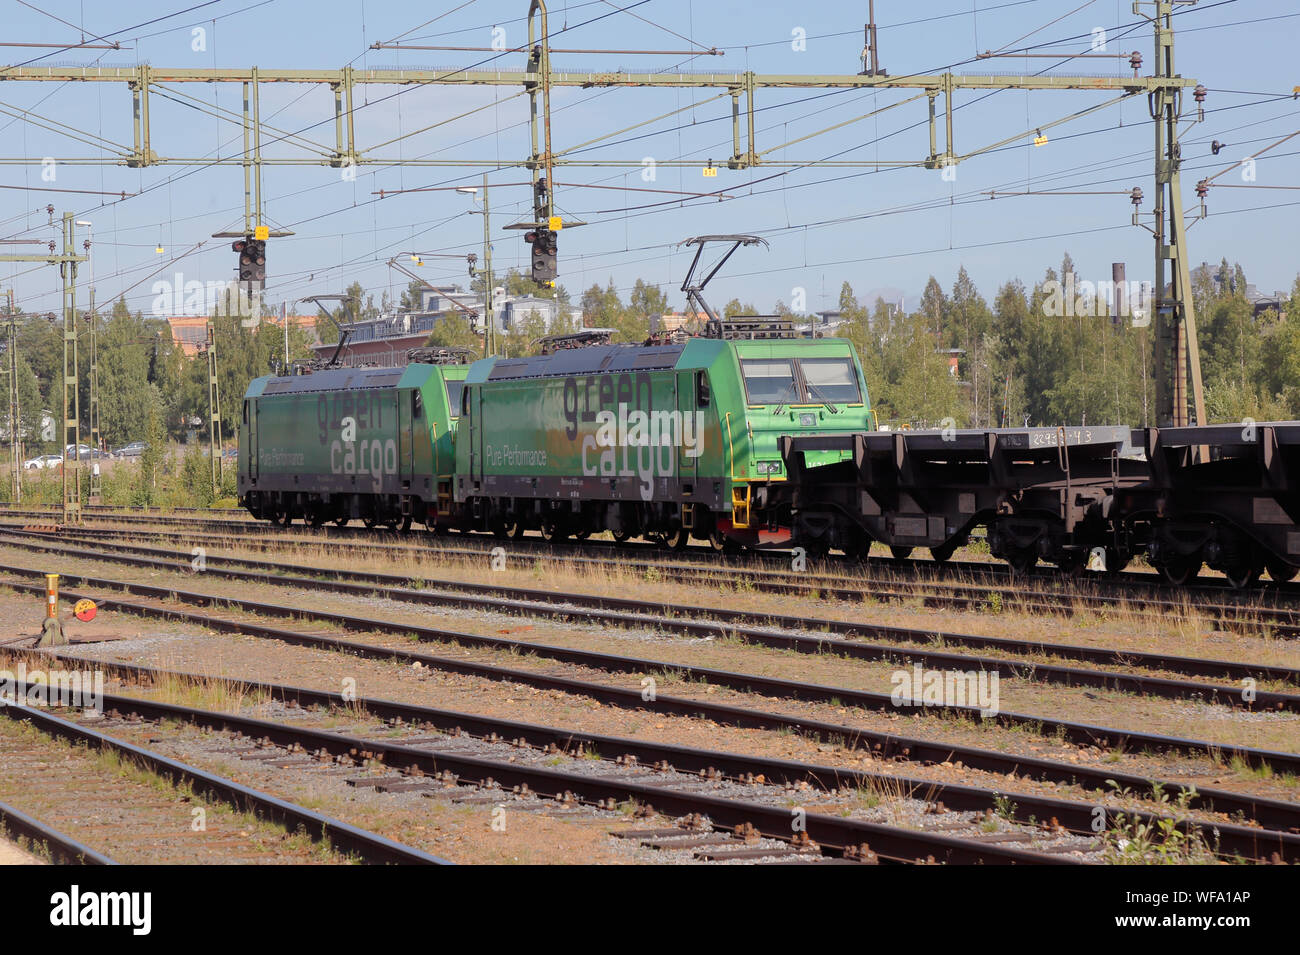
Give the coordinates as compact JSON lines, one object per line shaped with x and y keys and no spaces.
{"x":1135,"y":61}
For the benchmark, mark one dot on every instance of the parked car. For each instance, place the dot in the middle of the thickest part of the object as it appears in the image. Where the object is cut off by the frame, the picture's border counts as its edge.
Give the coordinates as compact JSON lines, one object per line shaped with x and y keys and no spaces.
{"x":132,"y":450}
{"x":230,"y":454}
{"x":44,"y":461}
{"x":83,"y":451}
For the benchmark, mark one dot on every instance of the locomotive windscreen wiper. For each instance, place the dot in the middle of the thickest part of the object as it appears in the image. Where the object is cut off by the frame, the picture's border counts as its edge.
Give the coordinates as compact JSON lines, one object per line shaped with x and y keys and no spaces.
{"x":817,"y":393}
{"x":789,"y":389}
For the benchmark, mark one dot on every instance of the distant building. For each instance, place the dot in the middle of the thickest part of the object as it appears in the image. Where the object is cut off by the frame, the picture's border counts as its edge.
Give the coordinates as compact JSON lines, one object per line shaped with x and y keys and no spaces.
{"x":669,"y":322}
{"x":190,"y":332}
{"x":386,"y":339}
{"x":1262,"y":303}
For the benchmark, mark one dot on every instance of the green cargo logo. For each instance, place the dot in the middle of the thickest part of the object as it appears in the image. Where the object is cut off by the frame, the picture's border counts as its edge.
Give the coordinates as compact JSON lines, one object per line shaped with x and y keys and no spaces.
{"x":375,"y":457}
{"x":656,"y":436}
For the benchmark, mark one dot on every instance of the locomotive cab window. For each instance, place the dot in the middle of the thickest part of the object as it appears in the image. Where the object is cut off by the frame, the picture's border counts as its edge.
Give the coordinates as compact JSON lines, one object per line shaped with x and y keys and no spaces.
{"x":245,"y":412}
{"x":703,"y":395}
{"x":830,"y":379}
{"x":455,"y":389}
{"x":417,"y":405}
{"x":769,"y":381}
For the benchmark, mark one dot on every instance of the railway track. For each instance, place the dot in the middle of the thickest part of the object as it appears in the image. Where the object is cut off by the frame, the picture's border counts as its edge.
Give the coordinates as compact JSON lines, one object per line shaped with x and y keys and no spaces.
{"x":364,"y":845}
{"x":1077,"y":816}
{"x":679,"y":795}
{"x":1268,"y":813}
{"x":60,"y":848}
{"x":982,"y":585}
{"x":802,"y":634}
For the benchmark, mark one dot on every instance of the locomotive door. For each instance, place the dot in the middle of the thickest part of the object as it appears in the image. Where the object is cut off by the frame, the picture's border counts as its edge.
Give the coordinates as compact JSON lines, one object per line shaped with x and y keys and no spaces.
{"x":472,"y":400}
{"x":408,"y":407}
{"x":250,"y":419}
{"x":687,"y":466}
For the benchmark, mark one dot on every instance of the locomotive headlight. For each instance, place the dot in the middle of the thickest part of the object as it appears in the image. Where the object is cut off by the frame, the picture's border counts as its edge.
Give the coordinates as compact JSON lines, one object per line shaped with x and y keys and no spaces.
{"x":768,"y":467}
{"x":807,"y":420}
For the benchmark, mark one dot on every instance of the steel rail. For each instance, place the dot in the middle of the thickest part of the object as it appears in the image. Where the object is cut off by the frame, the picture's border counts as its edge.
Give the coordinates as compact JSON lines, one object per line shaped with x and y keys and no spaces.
{"x":1133,"y":587}
{"x":773,"y":822}
{"x":534,"y":601}
{"x":368,"y":845}
{"x":884,"y":745}
{"x":63,"y":849}
{"x":853,"y":649}
{"x":1078,"y":816}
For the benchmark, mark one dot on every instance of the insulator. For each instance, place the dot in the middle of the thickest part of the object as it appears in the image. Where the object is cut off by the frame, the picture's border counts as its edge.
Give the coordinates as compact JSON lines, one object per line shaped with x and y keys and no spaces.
{"x":1135,"y":60}
{"x":1202,"y":188}
{"x":1198,"y":94}
{"x":1136,"y":196}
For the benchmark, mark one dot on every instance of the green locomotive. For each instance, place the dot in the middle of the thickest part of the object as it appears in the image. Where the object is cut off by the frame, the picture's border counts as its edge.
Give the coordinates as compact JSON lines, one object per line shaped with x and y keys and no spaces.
{"x":666,"y":441}
{"x":375,"y":444}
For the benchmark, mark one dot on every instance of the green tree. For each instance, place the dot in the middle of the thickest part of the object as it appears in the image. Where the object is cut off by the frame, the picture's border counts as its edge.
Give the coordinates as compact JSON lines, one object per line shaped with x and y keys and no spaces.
{"x":454,"y":331}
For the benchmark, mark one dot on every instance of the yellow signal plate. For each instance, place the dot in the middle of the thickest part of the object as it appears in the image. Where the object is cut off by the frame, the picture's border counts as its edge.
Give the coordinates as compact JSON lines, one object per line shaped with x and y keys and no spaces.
{"x":262,"y":233}
{"x":710,"y":172}
{"x":555,"y":223}
{"x":1040,"y":140}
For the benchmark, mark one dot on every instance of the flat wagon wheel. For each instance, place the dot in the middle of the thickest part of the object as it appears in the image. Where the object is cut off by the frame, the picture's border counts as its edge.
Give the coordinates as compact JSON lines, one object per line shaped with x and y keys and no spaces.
{"x":1181,"y":572}
{"x":621,"y":537}
{"x":943,"y":553}
{"x":341,"y":521}
{"x":1023,"y":561}
{"x":317,"y":518}
{"x":406,"y":523}
{"x":370,"y":523}
{"x":1243,"y":575}
{"x":1279,"y":570}
{"x":900,"y":553}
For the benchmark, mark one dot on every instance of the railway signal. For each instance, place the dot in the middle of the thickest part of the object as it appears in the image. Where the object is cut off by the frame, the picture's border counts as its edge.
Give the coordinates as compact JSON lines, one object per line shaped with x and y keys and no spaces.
{"x":544,"y":246}
{"x":252,"y":260}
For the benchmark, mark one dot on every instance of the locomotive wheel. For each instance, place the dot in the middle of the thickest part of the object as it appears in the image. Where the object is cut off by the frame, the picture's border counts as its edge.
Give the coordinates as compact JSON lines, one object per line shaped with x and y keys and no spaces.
{"x":286,"y":519}
{"x":1023,"y":561}
{"x":1181,"y":573}
{"x":406,"y":523}
{"x":678,"y":539}
{"x":370,"y":523}
{"x":516,"y":530}
{"x":552,"y":532}
{"x":943,"y":554}
{"x":1115,"y":561}
{"x":1242,"y":576}
{"x":721,"y":543}
{"x":340,"y":522}
{"x":620,"y":537}
{"x":582,"y":535}
{"x":317,"y":519}
{"x":899,"y":553}
{"x":1280,"y":571}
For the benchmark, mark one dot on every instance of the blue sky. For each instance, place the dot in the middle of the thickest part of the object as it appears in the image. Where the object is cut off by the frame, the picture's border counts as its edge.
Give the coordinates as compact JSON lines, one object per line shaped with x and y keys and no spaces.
{"x":884,"y":230}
